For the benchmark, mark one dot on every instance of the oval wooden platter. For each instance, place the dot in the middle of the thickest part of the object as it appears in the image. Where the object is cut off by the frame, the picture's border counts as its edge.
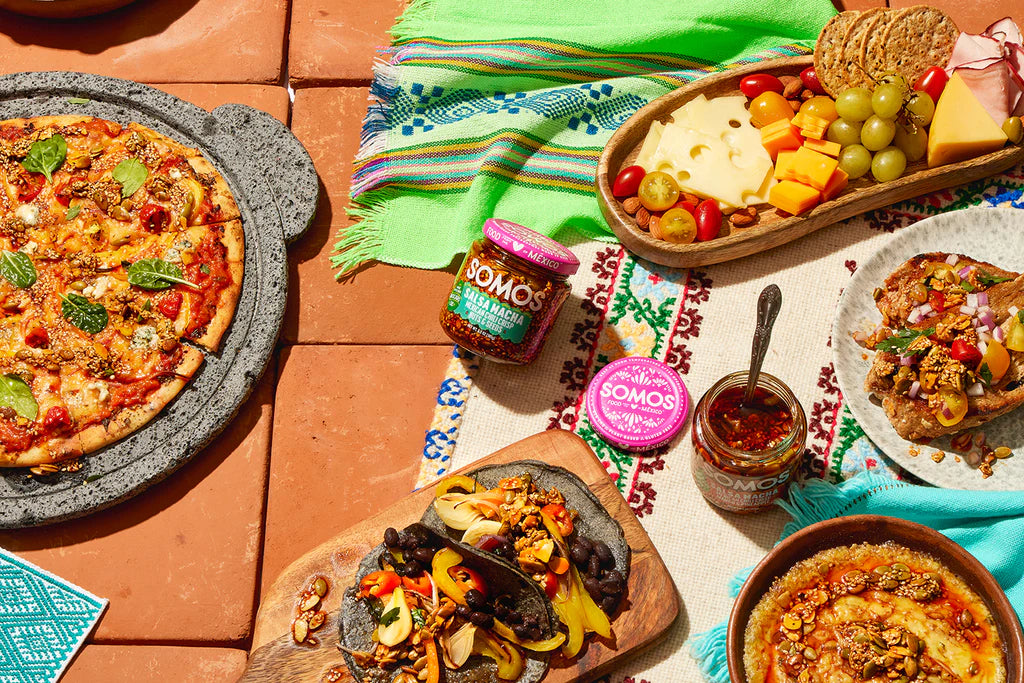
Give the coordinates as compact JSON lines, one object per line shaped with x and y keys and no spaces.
{"x":772,"y":229}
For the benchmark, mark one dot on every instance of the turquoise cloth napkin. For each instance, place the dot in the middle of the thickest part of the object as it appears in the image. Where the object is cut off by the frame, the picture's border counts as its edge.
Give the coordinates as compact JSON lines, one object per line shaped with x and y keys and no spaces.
{"x":43,"y":621}
{"x":990,"y":525}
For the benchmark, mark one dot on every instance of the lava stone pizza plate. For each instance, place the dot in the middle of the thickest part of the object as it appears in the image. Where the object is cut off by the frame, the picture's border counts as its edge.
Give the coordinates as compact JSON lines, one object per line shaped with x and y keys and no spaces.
{"x":276,"y":189}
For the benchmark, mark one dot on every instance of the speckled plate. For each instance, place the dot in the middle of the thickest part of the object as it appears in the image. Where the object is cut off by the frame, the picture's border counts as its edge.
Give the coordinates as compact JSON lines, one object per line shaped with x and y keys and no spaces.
{"x":992,"y":235}
{"x":276,"y":188}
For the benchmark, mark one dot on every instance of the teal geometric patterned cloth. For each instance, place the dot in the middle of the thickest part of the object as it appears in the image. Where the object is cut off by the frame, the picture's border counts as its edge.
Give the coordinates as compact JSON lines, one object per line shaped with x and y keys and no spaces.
{"x":43,"y":621}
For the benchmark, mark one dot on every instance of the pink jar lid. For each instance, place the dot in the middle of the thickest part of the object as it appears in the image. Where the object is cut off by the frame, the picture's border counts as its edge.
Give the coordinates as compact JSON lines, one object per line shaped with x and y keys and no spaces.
{"x":637,"y":403}
{"x":531,"y":245}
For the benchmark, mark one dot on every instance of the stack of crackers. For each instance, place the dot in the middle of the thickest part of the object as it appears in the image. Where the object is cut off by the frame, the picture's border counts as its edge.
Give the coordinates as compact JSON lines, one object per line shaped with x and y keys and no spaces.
{"x":855,"y":48}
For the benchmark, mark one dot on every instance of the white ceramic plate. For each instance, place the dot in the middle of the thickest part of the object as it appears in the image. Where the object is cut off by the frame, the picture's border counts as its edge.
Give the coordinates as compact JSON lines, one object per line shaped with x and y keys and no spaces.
{"x":992,"y":235}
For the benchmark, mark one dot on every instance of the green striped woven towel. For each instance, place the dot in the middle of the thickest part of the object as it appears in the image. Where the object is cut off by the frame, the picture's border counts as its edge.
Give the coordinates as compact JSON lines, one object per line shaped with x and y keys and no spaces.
{"x":502,"y":107}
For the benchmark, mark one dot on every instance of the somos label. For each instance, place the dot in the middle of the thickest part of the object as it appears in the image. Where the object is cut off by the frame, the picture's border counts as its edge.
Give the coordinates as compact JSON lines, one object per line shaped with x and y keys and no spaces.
{"x":504,"y":287}
{"x":639,"y":396}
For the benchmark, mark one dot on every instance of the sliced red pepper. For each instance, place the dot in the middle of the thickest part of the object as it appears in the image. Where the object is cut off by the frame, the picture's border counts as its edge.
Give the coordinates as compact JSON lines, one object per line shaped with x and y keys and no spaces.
{"x":56,"y":419}
{"x":420,"y":584}
{"x":154,"y":217}
{"x":966,"y":353}
{"x":937,"y":300}
{"x":467,"y":579}
{"x":379,"y":583}
{"x":32,"y":186}
{"x":169,"y":304}
{"x":550,"y":584}
{"x":561,"y":517}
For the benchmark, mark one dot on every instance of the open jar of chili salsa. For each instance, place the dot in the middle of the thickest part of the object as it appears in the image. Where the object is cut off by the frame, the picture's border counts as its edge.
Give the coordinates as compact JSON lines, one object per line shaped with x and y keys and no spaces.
{"x":508,"y":293}
{"x":744,"y":456}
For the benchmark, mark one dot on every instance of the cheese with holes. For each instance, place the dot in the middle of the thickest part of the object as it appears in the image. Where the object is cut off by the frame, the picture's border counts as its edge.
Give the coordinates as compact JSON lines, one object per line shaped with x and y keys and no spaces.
{"x":712,"y":151}
{"x":961,"y":128}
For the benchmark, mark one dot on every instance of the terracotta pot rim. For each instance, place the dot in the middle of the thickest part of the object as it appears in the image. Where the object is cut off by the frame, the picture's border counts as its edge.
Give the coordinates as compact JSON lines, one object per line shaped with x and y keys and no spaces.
{"x":875,"y":529}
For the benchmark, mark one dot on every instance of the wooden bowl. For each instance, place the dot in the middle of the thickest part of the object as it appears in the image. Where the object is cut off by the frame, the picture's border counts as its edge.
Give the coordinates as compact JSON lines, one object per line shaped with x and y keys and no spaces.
{"x":773,"y":227}
{"x":62,"y":9}
{"x":875,"y":529}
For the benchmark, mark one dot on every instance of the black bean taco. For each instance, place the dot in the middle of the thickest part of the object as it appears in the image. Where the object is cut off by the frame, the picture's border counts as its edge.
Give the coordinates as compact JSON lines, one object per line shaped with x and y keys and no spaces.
{"x":422,"y":602}
{"x":546,"y":522}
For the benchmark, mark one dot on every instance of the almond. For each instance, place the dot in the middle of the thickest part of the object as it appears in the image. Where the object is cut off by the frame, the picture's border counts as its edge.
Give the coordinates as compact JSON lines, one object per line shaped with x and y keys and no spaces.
{"x":740,"y":220}
{"x":806,"y":94}
{"x":750,"y":211}
{"x":300,"y":630}
{"x":795,"y":104}
{"x":643,"y":218}
{"x":631,"y":205}
{"x":793,"y":89}
{"x":687,"y":197}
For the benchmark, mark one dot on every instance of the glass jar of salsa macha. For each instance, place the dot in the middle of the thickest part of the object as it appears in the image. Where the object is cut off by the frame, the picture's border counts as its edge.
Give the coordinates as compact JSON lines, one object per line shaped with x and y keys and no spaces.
{"x":744,"y":456}
{"x":508,"y":293}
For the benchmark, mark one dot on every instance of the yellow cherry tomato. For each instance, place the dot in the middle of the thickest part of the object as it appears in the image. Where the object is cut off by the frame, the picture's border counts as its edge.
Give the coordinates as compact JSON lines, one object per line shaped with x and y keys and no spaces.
{"x":769,"y":107}
{"x":955,"y":401}
{"x":1015,"y":335}
{"x":658,"y":191}
{"x":678,"y":226}
{"x":997,"y":360}
{"x":820,"y":106}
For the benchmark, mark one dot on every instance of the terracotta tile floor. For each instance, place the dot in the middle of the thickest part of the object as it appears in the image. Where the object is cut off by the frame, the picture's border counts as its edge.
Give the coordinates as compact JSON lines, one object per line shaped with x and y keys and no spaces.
{"x":345,"y":403}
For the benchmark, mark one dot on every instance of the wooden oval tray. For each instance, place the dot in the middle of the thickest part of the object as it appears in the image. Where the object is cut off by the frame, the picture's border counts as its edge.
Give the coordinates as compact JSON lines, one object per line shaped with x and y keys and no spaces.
{"x":772,"y":230}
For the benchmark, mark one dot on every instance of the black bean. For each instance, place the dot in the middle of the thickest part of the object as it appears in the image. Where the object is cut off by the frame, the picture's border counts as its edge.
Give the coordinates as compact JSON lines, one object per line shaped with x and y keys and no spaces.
{"x":500,"y":611}
{"x":522,"y":631}
{"x":475,"y":599}
{"x":531,"y":620}
{"x":514,"y":617}
{"x":421,"y":538}
{"x":593,"y":566}
{"x":464,"y":611}
{"x":482,"y":619}
{"x":424,"y":555}
{"x":401,"y":569}
{"x":610,"y":587}
{"x":593,"y":587}
{"x":391,"y":538}
{"x":586,"y":543}
{"x":579,"y":553}
{"x":413,"y":568}
{"x":603,"y":553}
{"x":536,"y":633}
{"x":609,"y":603}
{"x":616,"y":576}
{"x":505,"y":550}
{"x":407,"y":540}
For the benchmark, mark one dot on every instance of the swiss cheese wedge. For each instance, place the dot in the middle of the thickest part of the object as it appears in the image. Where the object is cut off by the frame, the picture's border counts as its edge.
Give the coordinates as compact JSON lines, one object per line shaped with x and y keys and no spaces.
{"x":961,"y":128}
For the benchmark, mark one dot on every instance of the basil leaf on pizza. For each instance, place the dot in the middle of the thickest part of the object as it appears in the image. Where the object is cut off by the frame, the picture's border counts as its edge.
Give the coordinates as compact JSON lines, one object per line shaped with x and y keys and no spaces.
{"x":155,"y":273}
{"x":83,"y":314}
{"x":131,"y":173}
{"x":17,"y":395}
{"x":16,"y":267}
{"x":46,"y":156}
{"x":73,"y":212}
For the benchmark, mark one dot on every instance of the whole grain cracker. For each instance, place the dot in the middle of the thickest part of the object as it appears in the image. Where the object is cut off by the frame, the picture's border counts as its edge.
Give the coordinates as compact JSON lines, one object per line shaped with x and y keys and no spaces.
{"x":853,"y":74}
{"x":873,"y":48}
{"x":918,"y":37}
{"x":828,"y":52}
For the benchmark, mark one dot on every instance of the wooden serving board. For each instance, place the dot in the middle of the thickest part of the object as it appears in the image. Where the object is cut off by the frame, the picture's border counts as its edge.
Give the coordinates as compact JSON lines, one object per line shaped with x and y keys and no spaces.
{"x":772,"y":230}
{"x":652,"y":601}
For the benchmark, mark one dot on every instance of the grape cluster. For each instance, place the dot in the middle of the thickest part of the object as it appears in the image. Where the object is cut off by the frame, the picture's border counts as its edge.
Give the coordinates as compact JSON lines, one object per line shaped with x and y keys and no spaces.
{"x":881,"y":130}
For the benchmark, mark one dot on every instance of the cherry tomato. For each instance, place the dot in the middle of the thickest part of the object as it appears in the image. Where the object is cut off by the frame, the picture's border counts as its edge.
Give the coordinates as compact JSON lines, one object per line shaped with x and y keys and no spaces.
{"x":997,"y":359}
{"x":37,"y":337}
{"x":379,"y":583}
{"x":810,"y":80}
{"x":678,"y":226}
{"x":628,"y":181}
{"x":32,"y":186}
{"x":685,"y":205}
{"x":756,"y":84}
{"x":550,"y":584}
{"x":822,"y":107}
{"x":560,"y":516}
{"x":937,"y":300}
{"x":154,"y":217}
{"x":933,"y":81}
{"x":966,"y":353}
{"x":769,"y":107}
{"x":709,"y":220}
{"x":57,"y":418}
{"x":467,"y":579}
{"x":63,"y":192}
{"x":658,"y":191}
{"x":169,"y":304}
{"x":420,"y":585}
{"x":955,"y":402}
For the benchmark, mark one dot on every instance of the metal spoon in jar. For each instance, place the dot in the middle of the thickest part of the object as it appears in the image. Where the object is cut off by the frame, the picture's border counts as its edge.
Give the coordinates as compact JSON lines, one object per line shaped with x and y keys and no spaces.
{"x":768,"y":305}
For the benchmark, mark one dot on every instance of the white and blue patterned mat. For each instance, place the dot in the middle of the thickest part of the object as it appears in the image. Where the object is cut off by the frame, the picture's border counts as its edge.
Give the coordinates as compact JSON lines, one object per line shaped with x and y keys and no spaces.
{"x":43,"y":621}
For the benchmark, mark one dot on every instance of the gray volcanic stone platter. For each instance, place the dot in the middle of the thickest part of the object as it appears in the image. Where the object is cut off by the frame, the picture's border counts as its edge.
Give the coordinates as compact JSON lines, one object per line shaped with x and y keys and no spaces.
{"x":276,"y":188}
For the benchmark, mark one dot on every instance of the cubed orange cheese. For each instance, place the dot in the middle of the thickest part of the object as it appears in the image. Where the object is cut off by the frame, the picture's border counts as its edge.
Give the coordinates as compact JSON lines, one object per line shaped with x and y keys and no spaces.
{"x":784,"y":165}
{"x":780,"y":135}
{"x":813,"y":168}
{"x":836,"y":184}
{"x":813,"y":132}
{"x":805,"y":120}
{"x":825,"y":147}
{"x":793,"y":197}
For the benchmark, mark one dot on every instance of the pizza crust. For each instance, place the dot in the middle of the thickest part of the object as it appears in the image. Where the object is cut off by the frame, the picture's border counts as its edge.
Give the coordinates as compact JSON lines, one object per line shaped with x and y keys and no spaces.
{"x":220,"y":193}
{"x":54,"y":450}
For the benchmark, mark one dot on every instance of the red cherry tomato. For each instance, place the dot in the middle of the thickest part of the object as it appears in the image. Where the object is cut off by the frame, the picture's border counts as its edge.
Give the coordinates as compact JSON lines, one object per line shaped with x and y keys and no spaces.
{"x":709,"y":220}
{"x":933,"y":81}
{"x":57,"y":418}
{"x":937,"y":300}
{"x":560,"y":516}
{"x":685,"y":205}
{"x":169,"y":304}
{"x":628,"y":181}
{"x":810,"y":80}
{"x":154,"y":217}
{"x":32,"y":186}
{"x":37,"y":337}
{"x":966,"y":353}
{"x":550,"y":584}
{"x":755,"y":84}
{"x":379,"y":583}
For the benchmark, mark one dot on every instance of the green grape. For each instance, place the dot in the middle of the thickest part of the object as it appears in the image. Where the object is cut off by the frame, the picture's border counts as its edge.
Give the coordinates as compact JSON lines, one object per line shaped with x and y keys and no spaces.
{"x":888,"y":164}
{"x":887,"y":100}
{"x":893,"y":78}
{"x":855,"y":161}
{"x":913,"y":140}
{"x":845,"y":132}
{"x":877,"y":133}
{"x":921,"y":108}
{"x":854,"y":104}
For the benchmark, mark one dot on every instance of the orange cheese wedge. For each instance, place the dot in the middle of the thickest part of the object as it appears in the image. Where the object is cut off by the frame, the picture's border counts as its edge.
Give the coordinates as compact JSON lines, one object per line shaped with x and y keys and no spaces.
{"x":836,"y":184}
{"x":813,"y":168}
{"x":793,"y":197}
{"x":784,"y":166}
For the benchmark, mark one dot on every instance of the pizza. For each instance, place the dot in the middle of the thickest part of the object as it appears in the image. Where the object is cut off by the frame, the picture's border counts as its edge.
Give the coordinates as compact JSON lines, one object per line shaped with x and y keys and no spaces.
{"x":121,"y":260}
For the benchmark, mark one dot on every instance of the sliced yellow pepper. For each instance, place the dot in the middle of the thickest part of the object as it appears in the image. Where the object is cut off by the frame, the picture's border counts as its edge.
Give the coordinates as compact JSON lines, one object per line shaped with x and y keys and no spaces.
{"x":457,"y":482}
{"x":445,"y":559}
{"x":503,"y":630}
{"x":507,"y":657}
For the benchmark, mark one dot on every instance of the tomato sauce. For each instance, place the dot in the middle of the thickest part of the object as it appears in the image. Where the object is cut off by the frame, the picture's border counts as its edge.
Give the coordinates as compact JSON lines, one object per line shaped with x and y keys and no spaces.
{"x":14,"y":437}
{"x":203,"y":302}
{"x":127,"y":395}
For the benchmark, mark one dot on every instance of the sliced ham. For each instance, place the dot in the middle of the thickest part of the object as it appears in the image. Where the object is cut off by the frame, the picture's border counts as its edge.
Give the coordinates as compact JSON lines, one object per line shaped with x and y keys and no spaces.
{"x":991,"y":64}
